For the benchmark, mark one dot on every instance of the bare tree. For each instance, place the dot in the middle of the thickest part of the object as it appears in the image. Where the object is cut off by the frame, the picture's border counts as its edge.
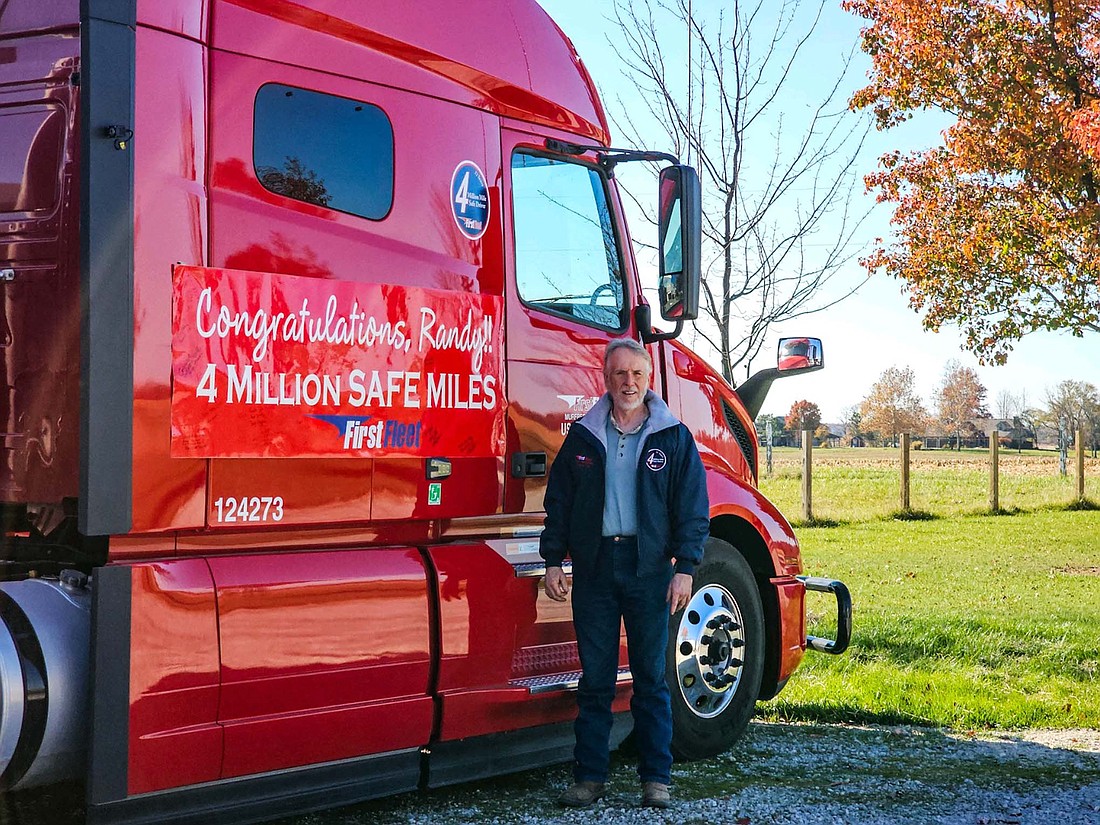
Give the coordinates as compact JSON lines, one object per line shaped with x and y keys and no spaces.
{"x":1011,"y":404}
{"x":779,"y":217}
{"x":1076,"y":406}
{"x":853,"y":426}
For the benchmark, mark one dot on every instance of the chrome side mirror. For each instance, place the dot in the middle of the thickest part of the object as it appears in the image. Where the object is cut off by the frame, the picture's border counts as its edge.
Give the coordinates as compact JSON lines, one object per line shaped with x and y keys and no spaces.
{"x":680,"y":233}
{"x":798,"y":355}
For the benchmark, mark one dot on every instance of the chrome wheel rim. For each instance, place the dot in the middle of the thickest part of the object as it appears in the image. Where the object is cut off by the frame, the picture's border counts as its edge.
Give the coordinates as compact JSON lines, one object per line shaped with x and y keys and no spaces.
{"x":710,"y":651}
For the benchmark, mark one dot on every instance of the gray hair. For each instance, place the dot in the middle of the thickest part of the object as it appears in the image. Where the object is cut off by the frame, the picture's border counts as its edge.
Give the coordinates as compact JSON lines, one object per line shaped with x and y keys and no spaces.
{"x":627,"y":344}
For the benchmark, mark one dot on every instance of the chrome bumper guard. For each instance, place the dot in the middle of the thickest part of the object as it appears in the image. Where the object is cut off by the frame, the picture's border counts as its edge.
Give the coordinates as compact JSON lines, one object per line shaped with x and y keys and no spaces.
{"x":843,"y":615}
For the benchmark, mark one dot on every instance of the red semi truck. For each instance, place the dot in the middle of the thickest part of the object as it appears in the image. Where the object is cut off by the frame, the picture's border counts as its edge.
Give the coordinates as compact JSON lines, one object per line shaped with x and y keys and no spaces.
{"x":299,"y":299}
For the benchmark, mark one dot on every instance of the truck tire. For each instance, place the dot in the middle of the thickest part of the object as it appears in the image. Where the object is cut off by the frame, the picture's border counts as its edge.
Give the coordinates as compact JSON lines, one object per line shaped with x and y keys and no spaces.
{"x":715,"y":655}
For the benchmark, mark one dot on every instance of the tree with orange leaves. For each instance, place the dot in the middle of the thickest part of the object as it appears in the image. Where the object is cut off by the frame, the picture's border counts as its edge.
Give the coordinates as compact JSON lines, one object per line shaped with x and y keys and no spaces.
{"x":892,"y":406}
{"x":997,"y":229}
{"x":804,"y":415}
{"x":960,"y":399}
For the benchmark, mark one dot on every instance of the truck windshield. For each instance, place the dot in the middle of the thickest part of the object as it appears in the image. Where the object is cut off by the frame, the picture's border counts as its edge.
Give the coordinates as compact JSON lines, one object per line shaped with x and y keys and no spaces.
{"x":567,"y":258}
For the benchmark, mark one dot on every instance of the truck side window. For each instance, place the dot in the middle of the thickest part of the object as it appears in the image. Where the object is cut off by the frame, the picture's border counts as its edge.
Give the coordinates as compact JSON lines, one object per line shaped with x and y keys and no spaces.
{"x":29,"y":160}
{"x":567,"y":258}
{"x":325,"y":150}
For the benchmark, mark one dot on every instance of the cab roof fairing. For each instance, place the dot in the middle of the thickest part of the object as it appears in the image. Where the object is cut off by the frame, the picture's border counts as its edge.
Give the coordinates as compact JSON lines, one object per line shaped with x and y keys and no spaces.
{"x":518,"y":64}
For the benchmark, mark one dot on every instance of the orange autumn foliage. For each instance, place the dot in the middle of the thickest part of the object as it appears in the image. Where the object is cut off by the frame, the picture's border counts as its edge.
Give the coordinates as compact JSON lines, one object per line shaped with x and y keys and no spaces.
{"x":998,"y":229}
{"x":804,"y":415}
{"x":1085,"y":131}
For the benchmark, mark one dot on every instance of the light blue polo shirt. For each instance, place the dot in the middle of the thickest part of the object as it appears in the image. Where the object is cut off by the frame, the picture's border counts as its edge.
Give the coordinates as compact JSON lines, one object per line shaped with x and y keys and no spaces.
{"x":620,"y":481}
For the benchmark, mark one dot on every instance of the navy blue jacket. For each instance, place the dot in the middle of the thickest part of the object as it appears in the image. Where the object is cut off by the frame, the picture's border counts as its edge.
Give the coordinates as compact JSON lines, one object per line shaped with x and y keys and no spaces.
{"x":673,"y":511}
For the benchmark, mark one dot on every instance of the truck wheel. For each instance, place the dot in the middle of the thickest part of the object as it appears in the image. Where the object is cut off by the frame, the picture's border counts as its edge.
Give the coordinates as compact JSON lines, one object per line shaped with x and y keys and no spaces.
{"x":715,"y":655}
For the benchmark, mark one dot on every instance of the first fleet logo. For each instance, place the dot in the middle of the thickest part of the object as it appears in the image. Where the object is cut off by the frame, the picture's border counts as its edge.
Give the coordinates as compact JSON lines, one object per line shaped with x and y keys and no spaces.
{"x":578,"y":405}
{"x":361,"y":435}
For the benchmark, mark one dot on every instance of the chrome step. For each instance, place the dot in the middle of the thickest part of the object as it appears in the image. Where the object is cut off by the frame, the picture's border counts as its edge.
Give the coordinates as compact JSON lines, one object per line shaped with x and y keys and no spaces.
{"x":559,"y":681}
{"x":537,"y":569}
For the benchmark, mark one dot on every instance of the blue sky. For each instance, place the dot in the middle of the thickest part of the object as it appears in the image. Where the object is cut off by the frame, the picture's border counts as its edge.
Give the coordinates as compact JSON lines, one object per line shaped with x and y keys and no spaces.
{"x":874,"y":329}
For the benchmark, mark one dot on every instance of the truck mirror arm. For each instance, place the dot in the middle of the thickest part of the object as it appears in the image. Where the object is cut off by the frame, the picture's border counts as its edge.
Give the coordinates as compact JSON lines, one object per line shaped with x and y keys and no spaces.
{"x":643,"y":319}
{"x":753,"y":392}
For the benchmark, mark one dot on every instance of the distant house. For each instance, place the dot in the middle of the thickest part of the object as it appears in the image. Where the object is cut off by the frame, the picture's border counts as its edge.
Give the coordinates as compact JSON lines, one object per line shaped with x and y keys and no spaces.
{"x":1011,"y":433}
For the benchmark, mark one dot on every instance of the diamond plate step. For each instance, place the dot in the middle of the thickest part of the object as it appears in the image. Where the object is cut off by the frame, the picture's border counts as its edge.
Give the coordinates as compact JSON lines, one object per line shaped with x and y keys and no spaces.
{"x":560,"y":681}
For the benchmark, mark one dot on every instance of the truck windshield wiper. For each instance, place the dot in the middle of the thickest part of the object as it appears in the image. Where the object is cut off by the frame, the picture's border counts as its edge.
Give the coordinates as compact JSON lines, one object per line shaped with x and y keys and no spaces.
{"x":608,"y":158}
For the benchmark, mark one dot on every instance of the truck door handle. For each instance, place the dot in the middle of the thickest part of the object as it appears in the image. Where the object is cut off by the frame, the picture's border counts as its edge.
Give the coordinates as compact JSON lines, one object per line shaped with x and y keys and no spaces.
{"x":528,"y":465}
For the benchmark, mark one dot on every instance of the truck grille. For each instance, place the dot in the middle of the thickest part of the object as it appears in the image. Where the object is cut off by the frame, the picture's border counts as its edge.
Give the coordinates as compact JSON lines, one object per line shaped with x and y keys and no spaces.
{"x":746,"y":442}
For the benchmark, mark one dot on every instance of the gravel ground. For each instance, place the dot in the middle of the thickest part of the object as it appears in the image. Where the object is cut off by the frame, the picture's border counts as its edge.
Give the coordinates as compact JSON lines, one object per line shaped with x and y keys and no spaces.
{"x":804,"y":774}
{"x":777,"y":775}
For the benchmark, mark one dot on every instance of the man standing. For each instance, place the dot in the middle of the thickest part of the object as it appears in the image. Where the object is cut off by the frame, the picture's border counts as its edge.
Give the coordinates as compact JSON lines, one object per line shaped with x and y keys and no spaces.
{"x":627,"y":501}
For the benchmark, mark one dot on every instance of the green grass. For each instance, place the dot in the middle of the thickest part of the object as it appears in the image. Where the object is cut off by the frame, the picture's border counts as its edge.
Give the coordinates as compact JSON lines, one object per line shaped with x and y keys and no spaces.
{"x":964,"y":622}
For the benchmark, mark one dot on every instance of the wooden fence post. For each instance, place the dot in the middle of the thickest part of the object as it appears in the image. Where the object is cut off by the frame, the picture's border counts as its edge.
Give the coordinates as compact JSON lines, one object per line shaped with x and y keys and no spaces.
{"x":807,"y":476}
{"x":1080,"y":434}
{"x":994,"y":481}
{"x":905,"y":472}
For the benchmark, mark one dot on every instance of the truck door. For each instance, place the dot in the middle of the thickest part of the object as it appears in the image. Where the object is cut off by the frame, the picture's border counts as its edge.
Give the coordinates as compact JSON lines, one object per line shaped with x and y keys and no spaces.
{"x":568,"y":294}
{"x":387,"y":221}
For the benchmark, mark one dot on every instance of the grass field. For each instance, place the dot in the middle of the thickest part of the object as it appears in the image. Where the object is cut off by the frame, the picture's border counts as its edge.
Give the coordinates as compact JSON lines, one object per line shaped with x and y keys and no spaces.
{"x":966,"y":620}
{"x":859,"y":484}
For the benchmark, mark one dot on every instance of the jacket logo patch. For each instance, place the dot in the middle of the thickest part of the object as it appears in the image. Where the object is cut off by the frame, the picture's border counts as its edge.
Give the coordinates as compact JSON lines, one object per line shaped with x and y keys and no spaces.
{"x":583,"y":460}
{"x":655,"y":460}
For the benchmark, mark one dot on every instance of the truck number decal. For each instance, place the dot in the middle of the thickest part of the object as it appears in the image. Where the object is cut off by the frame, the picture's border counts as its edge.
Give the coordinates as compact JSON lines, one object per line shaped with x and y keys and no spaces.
{"x":255,"y":509}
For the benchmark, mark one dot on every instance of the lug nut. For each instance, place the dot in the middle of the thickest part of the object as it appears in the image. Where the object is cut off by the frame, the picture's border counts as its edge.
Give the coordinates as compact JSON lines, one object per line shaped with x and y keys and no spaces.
{"x":705,"y":640}
{"x":736,"y":663}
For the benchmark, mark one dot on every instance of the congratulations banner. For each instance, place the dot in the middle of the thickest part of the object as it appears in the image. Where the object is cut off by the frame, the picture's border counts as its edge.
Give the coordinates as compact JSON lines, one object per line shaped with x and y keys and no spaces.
{"x":270,"y":365}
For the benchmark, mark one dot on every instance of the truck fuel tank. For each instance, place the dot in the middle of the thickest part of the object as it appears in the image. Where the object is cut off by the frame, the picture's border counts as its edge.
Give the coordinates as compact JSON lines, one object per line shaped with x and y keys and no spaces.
{"x":45,"y":626}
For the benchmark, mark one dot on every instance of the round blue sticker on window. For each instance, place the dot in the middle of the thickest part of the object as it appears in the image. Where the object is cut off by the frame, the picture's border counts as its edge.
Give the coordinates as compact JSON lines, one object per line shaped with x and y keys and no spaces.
{"x":470,"y":199}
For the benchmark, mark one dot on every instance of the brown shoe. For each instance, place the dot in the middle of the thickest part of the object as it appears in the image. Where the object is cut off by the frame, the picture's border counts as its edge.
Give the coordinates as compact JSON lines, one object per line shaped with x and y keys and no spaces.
{"x":582,"y":794}
{"x":655,"y":795}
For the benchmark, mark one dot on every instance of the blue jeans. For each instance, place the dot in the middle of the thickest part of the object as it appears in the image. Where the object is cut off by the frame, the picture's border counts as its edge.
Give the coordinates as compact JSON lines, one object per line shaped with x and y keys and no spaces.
{"x":615,"y":592}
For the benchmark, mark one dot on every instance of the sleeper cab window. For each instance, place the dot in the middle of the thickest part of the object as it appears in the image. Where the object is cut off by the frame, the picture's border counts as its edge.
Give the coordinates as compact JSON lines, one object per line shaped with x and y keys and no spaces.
{"x":326,"y":150}
{"x":567,"y":256}
{"x":30,"y":156}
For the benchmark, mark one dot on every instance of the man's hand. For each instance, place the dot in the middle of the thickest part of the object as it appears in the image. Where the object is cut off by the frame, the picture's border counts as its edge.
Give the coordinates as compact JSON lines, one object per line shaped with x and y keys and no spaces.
{"x":679,"y":592}
{"x":557,"y":584}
